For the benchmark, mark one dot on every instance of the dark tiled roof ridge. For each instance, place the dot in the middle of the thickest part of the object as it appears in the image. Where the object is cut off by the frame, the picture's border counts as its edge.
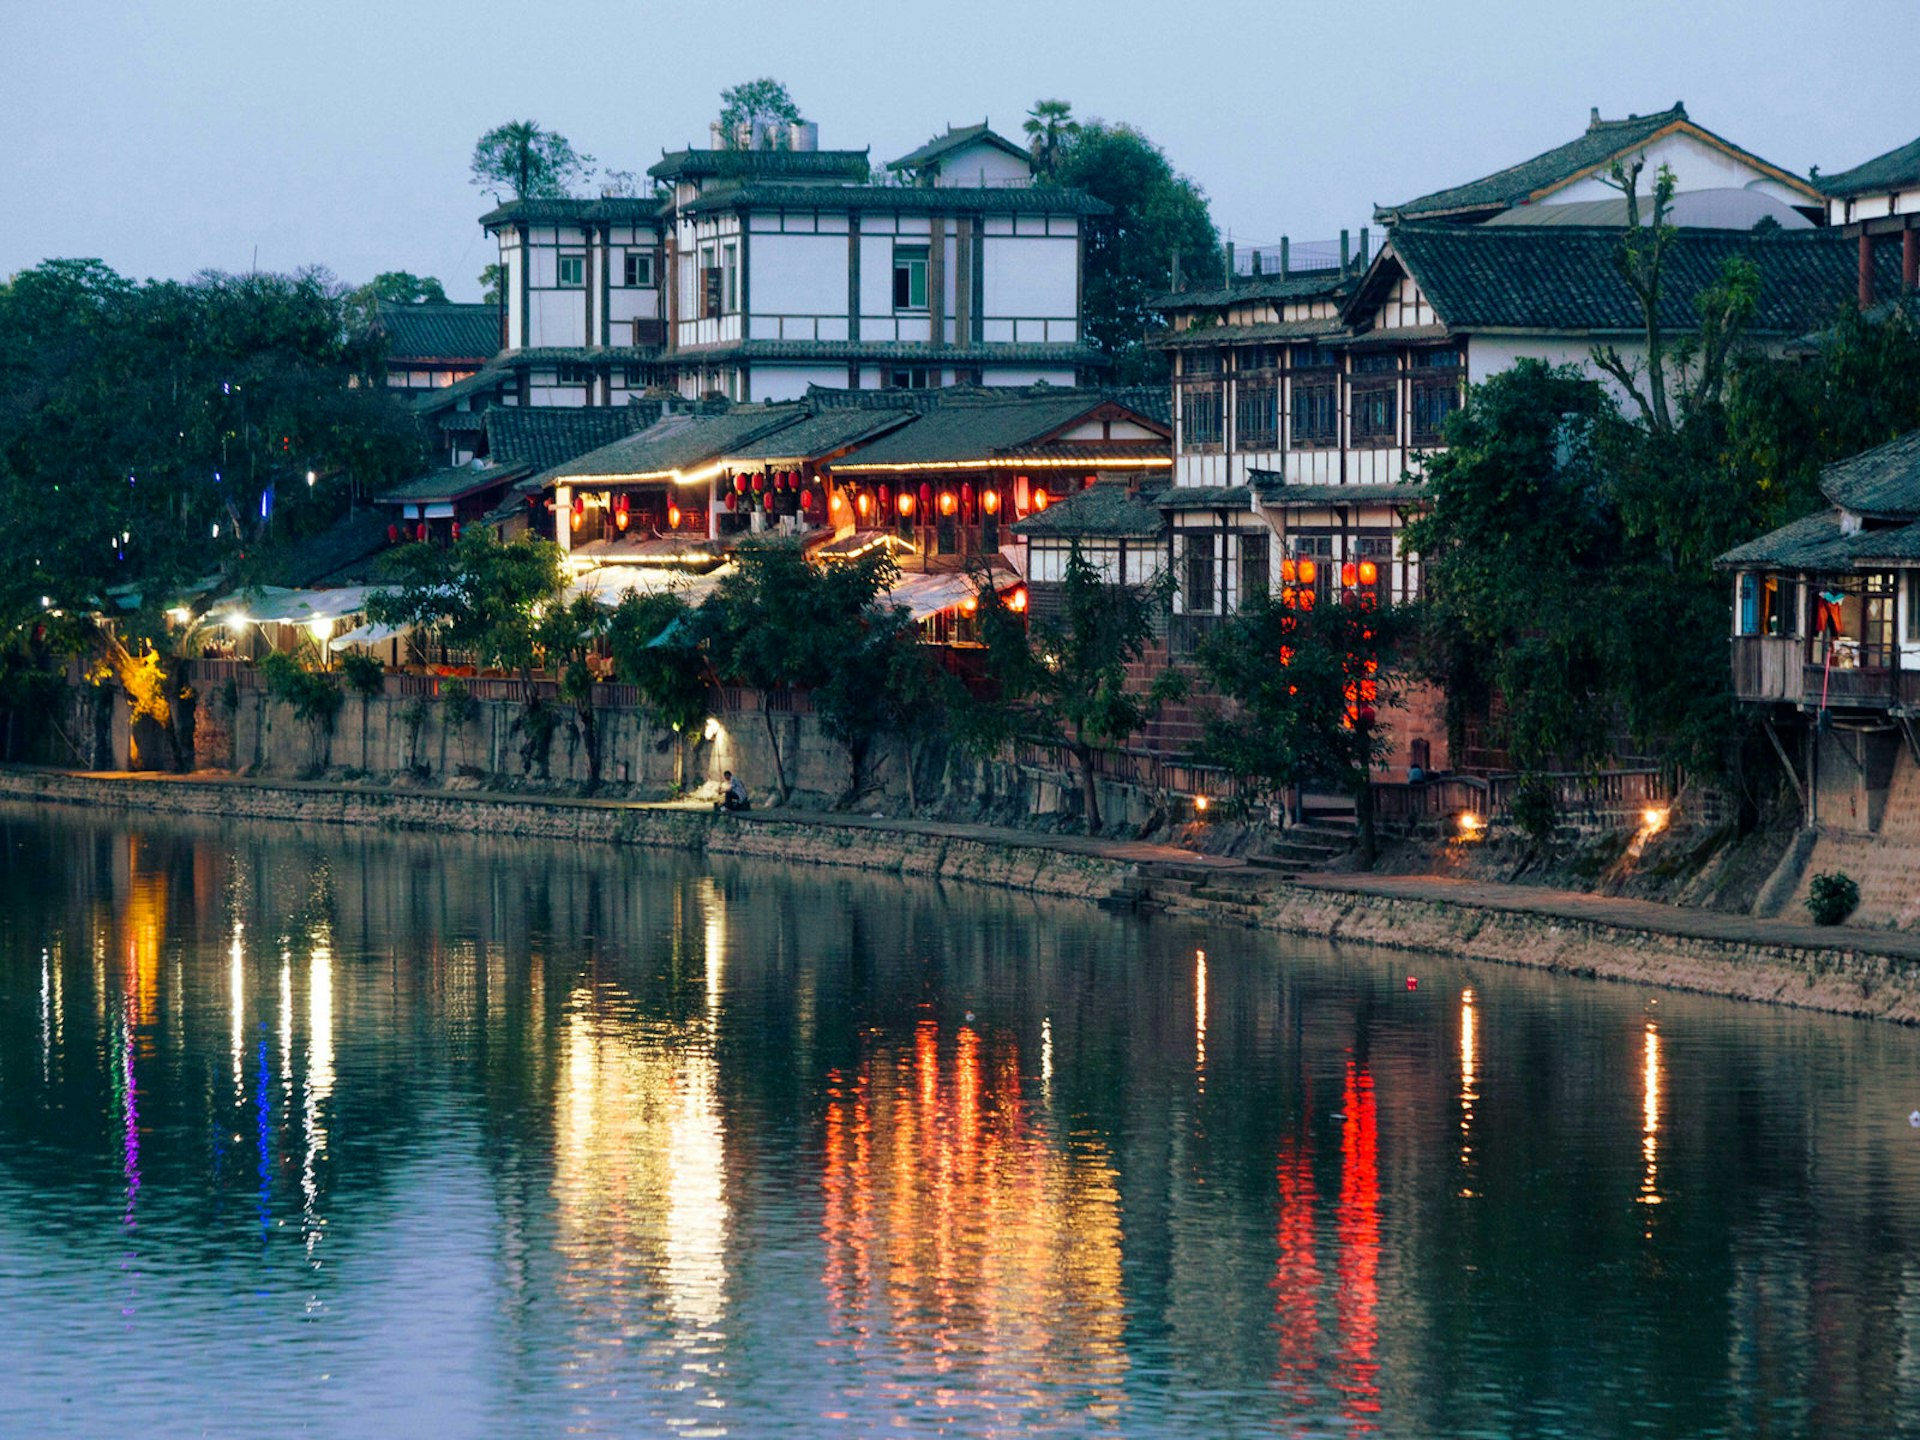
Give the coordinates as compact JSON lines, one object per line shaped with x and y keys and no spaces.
{"x":956,"y":138}
{"x":1046,"y":199}
{"x":1897,"y":169}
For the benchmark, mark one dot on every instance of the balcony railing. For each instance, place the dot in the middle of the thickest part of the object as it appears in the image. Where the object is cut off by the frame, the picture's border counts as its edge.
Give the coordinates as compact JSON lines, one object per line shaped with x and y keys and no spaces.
{"x":1767,"y":667}
{"x":1870,"y":686}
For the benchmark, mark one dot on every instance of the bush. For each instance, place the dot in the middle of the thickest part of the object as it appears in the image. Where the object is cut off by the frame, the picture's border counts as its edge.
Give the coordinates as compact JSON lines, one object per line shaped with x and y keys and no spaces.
{"x":314,"y":695}
{"x":457,"y":705}
{"x":365,"y":675}
{"x":1535,"y":810}
{"x":1832,"y":897}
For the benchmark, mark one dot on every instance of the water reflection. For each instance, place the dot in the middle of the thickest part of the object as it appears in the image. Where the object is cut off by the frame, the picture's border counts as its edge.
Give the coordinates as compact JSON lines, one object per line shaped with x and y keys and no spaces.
{"x":523,"y":1140}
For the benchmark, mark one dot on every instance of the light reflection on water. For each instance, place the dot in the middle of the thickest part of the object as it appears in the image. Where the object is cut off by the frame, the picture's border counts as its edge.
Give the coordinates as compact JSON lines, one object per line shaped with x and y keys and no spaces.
{"x":362,"y":1135}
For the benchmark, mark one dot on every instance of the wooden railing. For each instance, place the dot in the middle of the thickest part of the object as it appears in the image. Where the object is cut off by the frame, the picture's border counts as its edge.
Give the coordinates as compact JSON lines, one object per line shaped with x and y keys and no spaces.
{"x":1607,"y":795}
{"x":1866,"y":686}
{"x":1767,"y":667}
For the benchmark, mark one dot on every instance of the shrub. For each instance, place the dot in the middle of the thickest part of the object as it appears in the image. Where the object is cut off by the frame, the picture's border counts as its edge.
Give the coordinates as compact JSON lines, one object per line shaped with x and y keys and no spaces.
{"x":1536,"y":811}
{"x":365,"y":675}
{"x":457,"y":705}
{"x":314,"y":695}
{"x":1832,"y":897}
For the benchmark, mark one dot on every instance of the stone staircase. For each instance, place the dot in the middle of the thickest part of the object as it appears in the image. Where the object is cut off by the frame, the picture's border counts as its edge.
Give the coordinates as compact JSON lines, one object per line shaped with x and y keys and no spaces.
{"x":1313,"y":845}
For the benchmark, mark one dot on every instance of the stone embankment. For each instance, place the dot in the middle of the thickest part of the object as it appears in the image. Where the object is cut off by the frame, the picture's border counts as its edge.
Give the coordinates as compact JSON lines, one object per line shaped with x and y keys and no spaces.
{"x":1845,"y":971}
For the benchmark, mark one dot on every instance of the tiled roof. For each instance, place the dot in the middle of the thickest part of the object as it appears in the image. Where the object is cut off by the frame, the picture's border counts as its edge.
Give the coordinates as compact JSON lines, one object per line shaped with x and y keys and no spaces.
{"x":1207,"y":336}
{"x":1592,"y":151}
{"x":975,"y":430}
{"x":619,"y":209}
{"x":544,"y":436}
{"x":487,"y":378}
{"x":455,"y":483}
{"x":1895,"y":170}
{"x":1276,"y":495}
{"x":333,"y":554}
{"x":1899,"y":544}
{"x":1038,"y":199}
{"x":715,"y":164}
{"x":445,"y":332}
{"x":1308,"y":285}
{"x":680,"y":442}
{"x":1207,"y":497}
{"x":1106,"y":509}
{"x":1477,"y":277}
{"x":1882,"y":482}
{"x":821,"y":434}
{"x":1813,"y":542}
{"x":943,"y":145}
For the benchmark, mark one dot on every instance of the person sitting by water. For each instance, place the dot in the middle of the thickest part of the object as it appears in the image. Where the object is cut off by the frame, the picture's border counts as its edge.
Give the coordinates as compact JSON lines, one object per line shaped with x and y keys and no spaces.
{"x":734,"y":796}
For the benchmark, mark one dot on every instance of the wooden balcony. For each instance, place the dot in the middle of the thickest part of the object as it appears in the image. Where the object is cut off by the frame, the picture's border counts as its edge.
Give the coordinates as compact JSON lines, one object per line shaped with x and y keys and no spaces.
{"x":1769,"y":668}
{"x":1863,"y":688}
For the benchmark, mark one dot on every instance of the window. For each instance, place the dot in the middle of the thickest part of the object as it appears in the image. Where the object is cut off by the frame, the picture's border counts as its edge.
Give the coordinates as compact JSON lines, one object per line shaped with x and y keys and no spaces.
{"x":729,"y":279}
{"x":635,"y":377}
{"x":1376,"y":362}
{"x":1200,"y":415}
{"x":1749,"y":605}
{"x":1379,"y":549}
{"x":1199,"y":589}
{"x":573,"y":272}
{"x":1319,"y":548}
{"x":1913,"y":609}
{"x":1313,"y":357}
{"x":1257,"y":417}
{"x":1201,"y":362}
{"x":1254,"y":570}
{"x":574,"y":375}
{"x":1431,"y":406}
{"x":909,"y":277}
{"x":1435,"y":359}
{"x":912,"y":377}
{"x":1316,"y":415}
{"x":709,"y":284}
{"x":1260,"y":357}
{"x":1373,"y":415}
{"x":1780,"y":606}
{"x":637,"y":271}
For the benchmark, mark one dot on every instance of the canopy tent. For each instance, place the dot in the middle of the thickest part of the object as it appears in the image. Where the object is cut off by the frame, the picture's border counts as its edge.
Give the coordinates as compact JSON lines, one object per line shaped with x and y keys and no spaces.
{"x":367,"y":635}
{"x":610,"y":585}
{"x":274,"y":604}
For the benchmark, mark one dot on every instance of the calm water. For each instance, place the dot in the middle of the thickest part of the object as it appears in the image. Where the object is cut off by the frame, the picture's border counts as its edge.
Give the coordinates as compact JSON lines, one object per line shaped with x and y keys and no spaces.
{"x":352,"y":1134}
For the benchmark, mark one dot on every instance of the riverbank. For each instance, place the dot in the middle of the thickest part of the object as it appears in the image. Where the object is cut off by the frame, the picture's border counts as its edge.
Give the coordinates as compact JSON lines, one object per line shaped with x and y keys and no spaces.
{"x":1845,"y":971}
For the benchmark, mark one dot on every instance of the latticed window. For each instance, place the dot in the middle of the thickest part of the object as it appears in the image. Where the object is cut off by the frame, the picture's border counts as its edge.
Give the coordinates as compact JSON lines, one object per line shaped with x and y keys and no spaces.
{"x":1256,"y":417}
{"x":1255,"y":571}
{"x":1374,"y":416}
{"x":1200,"y":415}
{"x":1198,"y":591}
{"x":1316,"y":415}
{"x":1431,"y":406}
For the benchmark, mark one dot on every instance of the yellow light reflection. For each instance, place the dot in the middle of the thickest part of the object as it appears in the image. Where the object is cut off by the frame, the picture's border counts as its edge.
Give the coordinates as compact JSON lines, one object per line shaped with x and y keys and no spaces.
{"x":1200,"y":1017}
{"x":1650,"y":1111}
{"x":237,"y":993}
{"x":1469,"y":1074}
{"x":286,"y":1024}
{"x":319,"y":1086}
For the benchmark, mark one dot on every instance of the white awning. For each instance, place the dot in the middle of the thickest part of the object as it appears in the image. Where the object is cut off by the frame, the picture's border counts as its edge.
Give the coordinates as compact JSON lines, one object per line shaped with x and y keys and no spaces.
{"x":367,"y":635}
{"x":276,"y":604}
{"x":611,"y":584}
{"x":924,"y":595}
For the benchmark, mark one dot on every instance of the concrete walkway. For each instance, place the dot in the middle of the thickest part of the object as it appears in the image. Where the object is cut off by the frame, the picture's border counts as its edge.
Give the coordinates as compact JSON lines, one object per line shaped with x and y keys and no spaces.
{"x":1624,"y":914}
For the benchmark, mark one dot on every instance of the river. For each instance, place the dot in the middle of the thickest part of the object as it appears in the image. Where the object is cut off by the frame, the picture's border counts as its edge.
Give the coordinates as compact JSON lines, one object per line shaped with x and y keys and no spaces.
{"x":350,"y":1133}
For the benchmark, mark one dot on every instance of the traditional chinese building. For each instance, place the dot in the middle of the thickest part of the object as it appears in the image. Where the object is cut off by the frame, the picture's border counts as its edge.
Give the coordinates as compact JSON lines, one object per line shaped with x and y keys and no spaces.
{"x":1877,"y":204}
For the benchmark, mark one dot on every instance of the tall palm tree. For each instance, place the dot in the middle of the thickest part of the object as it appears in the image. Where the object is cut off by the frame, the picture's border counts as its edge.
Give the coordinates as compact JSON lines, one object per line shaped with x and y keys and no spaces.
{"x":1050,"y":124}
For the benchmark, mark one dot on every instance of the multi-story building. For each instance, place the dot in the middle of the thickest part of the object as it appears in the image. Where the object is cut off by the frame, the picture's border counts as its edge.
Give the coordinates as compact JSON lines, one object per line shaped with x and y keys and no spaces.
{"x":1878,"y":203}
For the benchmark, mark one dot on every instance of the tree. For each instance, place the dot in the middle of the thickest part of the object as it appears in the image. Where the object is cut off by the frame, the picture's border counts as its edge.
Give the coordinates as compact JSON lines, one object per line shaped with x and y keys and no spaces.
{"x":482,"y":595}
{"x":392,"y":287}
{"x":779,"y":623}
{"x":1157,"y":213}
{"x":1520,"y":549}
{"x":532,"y":163}
{"x":1050,"y":126}
{"x":656,"y":647}
{"x":1308,"y":683}
{"x":566,"y":632}
{"x":161,"y":436}
{"x":493,"y":284}
{"x":1064,"y":681}
{"x":755,"y":102}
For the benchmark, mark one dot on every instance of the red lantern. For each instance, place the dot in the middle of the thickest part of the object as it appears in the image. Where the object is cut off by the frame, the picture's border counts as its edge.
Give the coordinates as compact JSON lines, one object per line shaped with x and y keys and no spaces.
{"x":733,"y":502}
{"x":621,"y":518}
{"x":926,"y":499}
{"x":886,"y":499}
{"x":1289,"y":572}
{"x":966,"y":497}
{"x":673,"y":516}
{"x":947,"y":503}
{"x":759,"y":481}
{"x":1017,"y":599}
{"x":420,"y":533}
{"x":1308,"y":570}
{"x":1369,"y":573}
{"x":1349,"y":574}
{"x":1041,"y":500}
{"x":906,"y":504}
{"x":864,"y":504}
{"x":739,"y":484}
{"x":393,"y":534}
{"x":806,"y":500}
{"x":990,"y":501}
{"x":456,"y":529}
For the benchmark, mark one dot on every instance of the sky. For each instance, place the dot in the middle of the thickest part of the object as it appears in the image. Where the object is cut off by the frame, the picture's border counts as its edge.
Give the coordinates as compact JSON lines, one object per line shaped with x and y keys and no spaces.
{"x":171,"y":136}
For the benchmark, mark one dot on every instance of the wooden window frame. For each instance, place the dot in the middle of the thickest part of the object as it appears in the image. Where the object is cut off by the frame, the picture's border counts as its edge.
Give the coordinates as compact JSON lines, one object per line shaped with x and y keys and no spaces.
{"x":906,"y":260}
{"x":578,"y":259}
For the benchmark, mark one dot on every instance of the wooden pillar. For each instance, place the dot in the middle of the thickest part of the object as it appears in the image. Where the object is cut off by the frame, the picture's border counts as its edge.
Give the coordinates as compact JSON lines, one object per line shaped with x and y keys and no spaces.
{"x":1866,"y":269}
{"x":563,"y":518}
{"x":1910,"y":259}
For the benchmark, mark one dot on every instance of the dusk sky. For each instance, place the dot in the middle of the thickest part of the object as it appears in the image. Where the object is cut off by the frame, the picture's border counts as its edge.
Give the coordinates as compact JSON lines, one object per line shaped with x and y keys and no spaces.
{"x":180,"y":135}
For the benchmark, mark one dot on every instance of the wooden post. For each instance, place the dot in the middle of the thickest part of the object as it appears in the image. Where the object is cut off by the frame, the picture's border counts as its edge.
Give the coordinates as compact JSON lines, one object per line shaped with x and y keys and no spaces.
{"x":1286,"y":260}
{"x":1866,"y":269}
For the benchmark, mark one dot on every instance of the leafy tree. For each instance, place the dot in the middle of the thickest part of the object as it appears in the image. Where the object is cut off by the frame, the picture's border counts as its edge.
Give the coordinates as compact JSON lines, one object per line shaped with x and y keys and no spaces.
{"x":1064,"y":681}
{"x":531,"y":163}
{"x":161,"y":435}
{"x":566,"y":633}
{"x":1520,"y":550}
{"x":483,"y":595}
{"x":1308,"y":682}
{"x":656,"y":647}
{"x":1050,"y":126}
{"x":314,"y":696}
{"x":402,"y":287}
{"x":780,"y":623}
{"x":764,"y":101}
{"x":1157,"y":213}
{"x":493,"y":284}
{"x":885,"y":681}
